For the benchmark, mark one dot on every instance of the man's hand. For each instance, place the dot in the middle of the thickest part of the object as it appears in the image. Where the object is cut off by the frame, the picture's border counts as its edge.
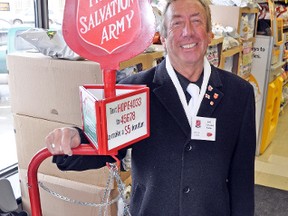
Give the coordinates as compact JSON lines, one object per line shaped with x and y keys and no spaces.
{"x":62,"y":140}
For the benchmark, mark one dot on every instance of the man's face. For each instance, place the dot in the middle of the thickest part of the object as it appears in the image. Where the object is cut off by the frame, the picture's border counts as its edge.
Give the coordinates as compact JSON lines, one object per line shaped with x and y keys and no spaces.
{"x":187,"y":37}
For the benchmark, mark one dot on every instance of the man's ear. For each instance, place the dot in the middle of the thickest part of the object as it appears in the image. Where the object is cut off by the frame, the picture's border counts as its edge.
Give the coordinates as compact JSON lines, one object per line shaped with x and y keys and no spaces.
{"x":163,"y":41}
{"x":211,"y":36}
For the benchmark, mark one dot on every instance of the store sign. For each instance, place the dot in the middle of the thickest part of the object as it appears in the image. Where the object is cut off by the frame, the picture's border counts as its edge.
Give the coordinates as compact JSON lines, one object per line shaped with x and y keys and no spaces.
{"x":106,"y":24}
{"x":126,"y":119}
{"x":114,"y":123}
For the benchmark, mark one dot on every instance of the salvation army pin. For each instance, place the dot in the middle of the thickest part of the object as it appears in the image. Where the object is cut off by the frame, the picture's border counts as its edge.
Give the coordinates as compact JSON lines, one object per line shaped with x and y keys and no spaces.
{"x":207,"y":96}
{"x":210,"y":88}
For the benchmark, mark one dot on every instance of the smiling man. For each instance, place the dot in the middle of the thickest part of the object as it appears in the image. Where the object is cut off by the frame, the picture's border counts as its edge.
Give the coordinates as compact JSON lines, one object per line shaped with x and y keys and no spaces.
{"x":186,"y":35}
{"x":198,"y":160}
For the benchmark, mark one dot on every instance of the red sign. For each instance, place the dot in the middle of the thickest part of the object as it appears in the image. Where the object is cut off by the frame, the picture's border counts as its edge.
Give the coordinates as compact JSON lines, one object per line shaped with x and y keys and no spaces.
{"x":105,"y":30}
{"x":106,"y":23}
{"x":114,"y":123}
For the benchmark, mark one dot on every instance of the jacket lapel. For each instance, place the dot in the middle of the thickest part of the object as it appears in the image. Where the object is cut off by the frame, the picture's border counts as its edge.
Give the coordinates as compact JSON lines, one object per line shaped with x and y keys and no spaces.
{"x":212,"y":96}
{"x":168,"y":96}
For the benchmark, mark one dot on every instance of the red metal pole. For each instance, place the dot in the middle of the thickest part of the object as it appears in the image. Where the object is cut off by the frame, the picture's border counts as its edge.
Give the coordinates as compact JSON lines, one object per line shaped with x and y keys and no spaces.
{"x":33,"y":178}
{"x":109,"y":83}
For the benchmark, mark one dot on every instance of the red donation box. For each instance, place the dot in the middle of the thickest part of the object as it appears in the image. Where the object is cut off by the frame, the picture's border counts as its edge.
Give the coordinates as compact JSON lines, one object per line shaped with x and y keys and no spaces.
{"x":113,"y":123}
{"x":109,"y":32}
{"x":114,"y":116}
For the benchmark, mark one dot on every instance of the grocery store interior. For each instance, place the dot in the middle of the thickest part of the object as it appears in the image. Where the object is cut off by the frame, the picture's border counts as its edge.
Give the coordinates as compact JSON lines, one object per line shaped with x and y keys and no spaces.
{"x":250,"y":40}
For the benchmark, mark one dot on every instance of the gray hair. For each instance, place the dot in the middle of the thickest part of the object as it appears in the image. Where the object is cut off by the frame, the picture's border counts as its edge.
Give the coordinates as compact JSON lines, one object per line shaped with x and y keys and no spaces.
{"x":204,"y":3}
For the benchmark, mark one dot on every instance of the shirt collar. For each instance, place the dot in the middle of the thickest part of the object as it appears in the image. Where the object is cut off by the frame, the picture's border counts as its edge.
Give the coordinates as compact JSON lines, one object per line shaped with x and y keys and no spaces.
{"x":184,"y":82}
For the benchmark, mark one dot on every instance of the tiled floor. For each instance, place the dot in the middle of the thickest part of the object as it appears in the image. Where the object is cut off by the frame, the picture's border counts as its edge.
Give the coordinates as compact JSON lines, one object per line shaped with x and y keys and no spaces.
{"x":272,"y":166}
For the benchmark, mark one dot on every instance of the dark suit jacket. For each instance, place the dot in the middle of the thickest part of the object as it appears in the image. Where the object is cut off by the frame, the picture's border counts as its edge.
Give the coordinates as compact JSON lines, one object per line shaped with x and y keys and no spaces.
{"x":174,"y":175}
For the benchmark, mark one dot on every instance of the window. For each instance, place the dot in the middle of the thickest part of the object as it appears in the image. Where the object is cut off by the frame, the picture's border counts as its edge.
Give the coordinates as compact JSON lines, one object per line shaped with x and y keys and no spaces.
{"x":14,"y":15}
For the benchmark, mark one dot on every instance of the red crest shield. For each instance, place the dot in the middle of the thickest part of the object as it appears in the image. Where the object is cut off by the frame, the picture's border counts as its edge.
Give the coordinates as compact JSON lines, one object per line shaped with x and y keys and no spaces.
{"x":105,"y":30}
{"x":108,"y":24}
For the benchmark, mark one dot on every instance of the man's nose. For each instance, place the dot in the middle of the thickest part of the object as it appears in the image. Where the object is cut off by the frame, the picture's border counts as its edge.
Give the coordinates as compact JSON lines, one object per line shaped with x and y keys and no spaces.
{"x":188,"y":29}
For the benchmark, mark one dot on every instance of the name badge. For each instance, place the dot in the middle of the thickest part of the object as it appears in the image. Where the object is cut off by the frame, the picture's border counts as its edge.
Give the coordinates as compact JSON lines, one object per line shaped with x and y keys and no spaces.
{"x":203,"y":128}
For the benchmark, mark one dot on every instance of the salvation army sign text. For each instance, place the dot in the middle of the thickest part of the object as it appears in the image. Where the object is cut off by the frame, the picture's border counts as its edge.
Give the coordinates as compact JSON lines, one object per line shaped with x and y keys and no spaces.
{"x":126,"y":119}
{"x":108,"y":25}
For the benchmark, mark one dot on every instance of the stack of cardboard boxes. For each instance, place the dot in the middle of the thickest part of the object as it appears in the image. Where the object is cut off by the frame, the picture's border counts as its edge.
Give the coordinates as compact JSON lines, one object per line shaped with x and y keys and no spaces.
{"x":44,"y":96}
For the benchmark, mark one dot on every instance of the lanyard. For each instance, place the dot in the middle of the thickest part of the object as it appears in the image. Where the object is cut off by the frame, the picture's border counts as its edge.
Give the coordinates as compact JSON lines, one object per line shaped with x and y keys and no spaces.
{"x":173,"y":76}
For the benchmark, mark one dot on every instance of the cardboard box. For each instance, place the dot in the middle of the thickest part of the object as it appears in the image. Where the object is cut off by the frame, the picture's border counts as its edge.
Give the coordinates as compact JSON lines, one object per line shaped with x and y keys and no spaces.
{"x":52,"y":206}
{"x":30,"y":135}
{"x":48,"y":88}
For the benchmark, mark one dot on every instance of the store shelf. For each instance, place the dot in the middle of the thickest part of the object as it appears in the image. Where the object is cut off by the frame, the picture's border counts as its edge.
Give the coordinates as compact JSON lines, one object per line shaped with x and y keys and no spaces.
{"x":234,"y":52}
{"x":249,"y":10}
{"x":250,"y":40}
{"x":146,"y":59}
{"x":284,"y":105}
{"x":285,"y":83}
{"x":277,"y":66}
{"x":216,"y":41}
{"x":231,"y":52}
{"x":214,"y":51}
{"x":276,"y":70}
{"x":235,"y":19}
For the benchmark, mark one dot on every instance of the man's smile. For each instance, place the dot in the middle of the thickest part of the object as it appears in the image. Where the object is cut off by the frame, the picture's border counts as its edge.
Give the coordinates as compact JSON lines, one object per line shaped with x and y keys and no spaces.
{"x":188,"y":46}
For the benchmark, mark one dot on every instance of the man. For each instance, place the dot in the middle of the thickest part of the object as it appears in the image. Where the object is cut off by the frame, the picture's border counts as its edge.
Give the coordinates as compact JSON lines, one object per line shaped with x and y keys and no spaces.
{"x":198,"y":161}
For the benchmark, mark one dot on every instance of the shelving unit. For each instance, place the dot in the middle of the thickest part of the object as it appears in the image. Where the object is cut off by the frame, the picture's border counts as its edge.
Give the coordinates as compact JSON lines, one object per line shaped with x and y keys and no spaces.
{"x":235,"y":15}
{"x":235,"y":53}
{"x":244,"y":21}
{"x":272,"y":40}
{"x":147,"y":60}
{"x":285,"y":102}
{"x":276,"y":70}
{"x":214,"y":51}
{"x":285,"y":66}
{"x":217,"y":41}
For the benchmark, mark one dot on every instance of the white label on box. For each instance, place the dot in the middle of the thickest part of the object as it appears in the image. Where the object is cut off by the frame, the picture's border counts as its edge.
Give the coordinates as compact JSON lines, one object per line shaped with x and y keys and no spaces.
{"x":126,"y":120}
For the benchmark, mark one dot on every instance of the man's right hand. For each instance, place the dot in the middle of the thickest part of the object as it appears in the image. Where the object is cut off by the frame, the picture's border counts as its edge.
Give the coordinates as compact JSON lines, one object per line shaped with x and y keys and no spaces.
{"x":62,"y":140}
